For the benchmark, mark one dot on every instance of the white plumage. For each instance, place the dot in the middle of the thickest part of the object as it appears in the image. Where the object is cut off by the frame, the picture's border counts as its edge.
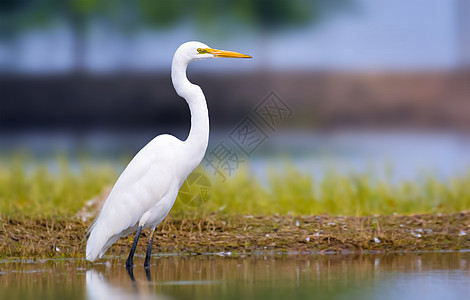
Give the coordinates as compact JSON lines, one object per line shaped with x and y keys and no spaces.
{"x":146,"y":190}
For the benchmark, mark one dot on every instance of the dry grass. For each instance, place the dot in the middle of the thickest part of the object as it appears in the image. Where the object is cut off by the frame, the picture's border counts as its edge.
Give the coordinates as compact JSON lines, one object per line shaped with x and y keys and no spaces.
{"x":249,"y":234}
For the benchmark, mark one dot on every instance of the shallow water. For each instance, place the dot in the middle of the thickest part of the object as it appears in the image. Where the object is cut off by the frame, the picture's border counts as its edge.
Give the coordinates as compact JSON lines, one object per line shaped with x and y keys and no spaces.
{"x":371,"y":276}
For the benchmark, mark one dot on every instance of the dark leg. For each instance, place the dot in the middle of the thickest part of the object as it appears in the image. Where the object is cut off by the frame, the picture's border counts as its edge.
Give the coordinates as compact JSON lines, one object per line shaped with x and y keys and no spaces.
{"x":130,"y":259}
{"x":147,"y":273}
{"x":130,"y":271}
{"x":149,"y":250}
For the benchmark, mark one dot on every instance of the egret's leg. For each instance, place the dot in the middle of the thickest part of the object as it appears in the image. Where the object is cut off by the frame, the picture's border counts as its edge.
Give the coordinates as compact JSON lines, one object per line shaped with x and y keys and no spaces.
{"x":130,"y":259}
{"x":148,"y":275}
{"x":149,"y":250}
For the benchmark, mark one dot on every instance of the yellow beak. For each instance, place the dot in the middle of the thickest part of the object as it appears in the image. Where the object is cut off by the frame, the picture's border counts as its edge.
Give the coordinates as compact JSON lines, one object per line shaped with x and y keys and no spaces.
{"x":224,"y":53}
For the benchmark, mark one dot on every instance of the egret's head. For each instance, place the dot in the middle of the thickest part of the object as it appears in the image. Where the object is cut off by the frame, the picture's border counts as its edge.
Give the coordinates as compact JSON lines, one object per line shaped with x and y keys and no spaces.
{"x":192,"y":51}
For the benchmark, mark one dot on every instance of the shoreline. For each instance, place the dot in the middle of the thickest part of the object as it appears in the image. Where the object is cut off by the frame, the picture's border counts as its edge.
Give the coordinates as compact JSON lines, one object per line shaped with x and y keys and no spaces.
{"x":219,"y":234}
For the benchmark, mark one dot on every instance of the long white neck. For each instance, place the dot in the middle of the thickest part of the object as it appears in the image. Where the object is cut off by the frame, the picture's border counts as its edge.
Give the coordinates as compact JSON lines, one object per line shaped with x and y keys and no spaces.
{"x":196,"y":143}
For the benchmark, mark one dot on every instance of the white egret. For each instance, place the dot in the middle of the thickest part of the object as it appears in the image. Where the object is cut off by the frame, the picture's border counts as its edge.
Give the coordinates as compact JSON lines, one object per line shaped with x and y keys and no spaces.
{"x":146,"y":190}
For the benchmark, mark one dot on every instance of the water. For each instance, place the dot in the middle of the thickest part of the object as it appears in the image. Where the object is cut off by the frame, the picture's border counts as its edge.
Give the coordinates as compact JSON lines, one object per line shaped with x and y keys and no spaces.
{"x":395,"y":156}
{"x":367,"y":276}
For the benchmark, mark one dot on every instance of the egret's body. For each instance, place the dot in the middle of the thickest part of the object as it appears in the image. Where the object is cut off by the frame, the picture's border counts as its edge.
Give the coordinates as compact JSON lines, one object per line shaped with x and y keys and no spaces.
{"x":146,"y":190}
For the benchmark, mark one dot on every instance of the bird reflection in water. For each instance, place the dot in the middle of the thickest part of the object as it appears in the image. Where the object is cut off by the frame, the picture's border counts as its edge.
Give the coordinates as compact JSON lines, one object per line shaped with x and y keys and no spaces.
{"x":130,"y":271}
{"x":117,"y":287}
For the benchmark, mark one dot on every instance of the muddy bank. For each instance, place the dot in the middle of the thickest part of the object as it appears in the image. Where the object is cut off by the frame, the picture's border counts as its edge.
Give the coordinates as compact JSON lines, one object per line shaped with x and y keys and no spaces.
{"x":249,"y":234}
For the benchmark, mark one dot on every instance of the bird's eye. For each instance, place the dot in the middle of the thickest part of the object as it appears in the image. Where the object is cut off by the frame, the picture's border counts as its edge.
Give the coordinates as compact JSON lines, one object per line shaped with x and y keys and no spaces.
{"x":199,"y":50}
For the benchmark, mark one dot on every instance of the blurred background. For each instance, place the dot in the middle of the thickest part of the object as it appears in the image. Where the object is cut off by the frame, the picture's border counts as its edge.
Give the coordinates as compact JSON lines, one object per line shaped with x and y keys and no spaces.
{"x":382,"y":85}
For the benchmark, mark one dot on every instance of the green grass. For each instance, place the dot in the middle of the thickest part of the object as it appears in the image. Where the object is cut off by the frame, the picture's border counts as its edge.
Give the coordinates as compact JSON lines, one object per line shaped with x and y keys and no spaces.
{"x":294,"y":192}
{"x":39,"y":192}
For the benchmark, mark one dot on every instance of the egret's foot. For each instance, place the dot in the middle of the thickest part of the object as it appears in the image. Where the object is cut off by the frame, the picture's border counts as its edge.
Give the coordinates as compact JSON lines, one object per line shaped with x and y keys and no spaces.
{"x":148,"y":275}
{"x":147,"y":262}
{"x":130,"y":272}
{"x":129,"y":263}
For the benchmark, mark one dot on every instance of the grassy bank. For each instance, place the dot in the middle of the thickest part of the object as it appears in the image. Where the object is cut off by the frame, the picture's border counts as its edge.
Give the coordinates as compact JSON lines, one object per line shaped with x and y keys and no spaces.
{"x":39,"y":192}
{"x":40,"y":213}
{"x":248,"y":234}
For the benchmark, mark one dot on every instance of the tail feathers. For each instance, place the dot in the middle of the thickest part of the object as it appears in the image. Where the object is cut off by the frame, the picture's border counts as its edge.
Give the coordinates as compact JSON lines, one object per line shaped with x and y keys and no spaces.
{"x":90,"y":229}
{"x":92,"y":226}
{"x":99,"y":240}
